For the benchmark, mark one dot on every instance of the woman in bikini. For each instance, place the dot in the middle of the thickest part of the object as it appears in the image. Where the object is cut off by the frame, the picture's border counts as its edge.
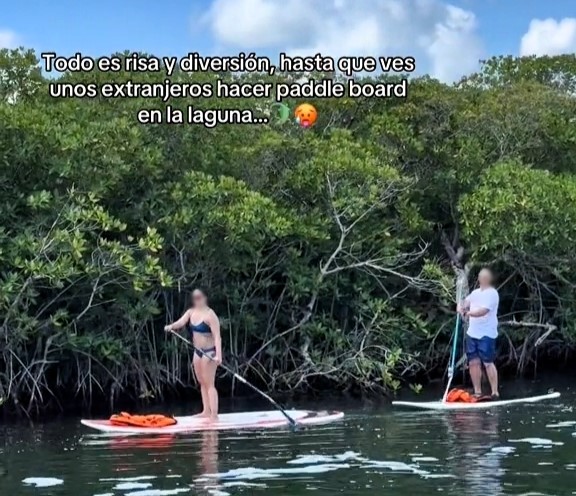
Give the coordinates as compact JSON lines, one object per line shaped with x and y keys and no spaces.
{"x":204,"y":328}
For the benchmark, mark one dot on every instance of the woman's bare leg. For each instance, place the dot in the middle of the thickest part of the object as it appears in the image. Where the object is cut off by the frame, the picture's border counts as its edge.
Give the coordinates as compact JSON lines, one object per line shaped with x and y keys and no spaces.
{"x":209,"y":369}
{"x":199,"y":373}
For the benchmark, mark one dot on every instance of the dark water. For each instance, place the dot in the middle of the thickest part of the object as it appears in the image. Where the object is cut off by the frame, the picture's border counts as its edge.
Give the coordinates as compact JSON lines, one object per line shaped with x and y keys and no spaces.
{"x":521,"y":450}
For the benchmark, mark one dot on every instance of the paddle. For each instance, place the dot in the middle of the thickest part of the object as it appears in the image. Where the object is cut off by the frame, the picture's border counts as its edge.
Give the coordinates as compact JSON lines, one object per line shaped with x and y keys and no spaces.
{"x":291,"y":421}
{"x":452,"y":362}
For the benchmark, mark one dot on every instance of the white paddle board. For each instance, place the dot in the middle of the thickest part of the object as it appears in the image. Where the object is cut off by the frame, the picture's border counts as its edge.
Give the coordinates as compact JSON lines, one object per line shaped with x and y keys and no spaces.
{"x":226,"y":421}
{"x":481,"y":405}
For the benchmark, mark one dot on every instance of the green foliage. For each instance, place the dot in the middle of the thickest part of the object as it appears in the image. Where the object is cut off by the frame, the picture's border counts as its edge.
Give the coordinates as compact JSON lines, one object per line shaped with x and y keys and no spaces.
{"x":328,"y":252}
{"x":536,"y":207}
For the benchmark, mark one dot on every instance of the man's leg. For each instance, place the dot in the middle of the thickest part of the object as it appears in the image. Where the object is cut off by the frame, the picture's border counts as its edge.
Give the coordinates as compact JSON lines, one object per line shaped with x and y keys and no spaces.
{"x":475,"y":367}
{"x":474,"y":364}
{"x":487,"y":353}
{"x":492,"y":374}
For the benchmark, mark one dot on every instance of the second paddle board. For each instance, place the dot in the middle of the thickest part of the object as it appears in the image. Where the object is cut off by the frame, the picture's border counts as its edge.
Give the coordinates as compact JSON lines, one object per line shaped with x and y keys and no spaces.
{"x":481,"y":405}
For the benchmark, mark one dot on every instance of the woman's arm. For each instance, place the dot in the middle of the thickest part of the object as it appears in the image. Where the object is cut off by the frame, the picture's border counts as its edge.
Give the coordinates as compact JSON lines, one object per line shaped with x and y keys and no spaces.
{"x":181,"y":322}
{"x":215,"y":328}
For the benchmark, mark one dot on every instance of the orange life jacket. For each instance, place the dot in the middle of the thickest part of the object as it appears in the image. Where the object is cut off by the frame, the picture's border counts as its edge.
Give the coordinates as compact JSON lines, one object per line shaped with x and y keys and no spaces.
{"x":460,"y":396}
{"x":155,"y":420}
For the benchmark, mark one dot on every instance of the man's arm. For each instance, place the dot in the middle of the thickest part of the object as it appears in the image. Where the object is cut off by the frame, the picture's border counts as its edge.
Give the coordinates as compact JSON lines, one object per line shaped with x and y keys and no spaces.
{"x":479,"y":312}
{"x":490,"y":304}
{"x":463,"y":306}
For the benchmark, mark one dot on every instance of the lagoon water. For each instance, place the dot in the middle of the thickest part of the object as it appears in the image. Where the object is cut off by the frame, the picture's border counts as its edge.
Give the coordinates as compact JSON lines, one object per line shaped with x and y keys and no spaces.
{"x":525,"y":449}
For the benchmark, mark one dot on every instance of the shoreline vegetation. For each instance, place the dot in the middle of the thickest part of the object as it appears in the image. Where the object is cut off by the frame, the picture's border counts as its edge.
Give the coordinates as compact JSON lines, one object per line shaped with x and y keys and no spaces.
{"x":329,"y":254}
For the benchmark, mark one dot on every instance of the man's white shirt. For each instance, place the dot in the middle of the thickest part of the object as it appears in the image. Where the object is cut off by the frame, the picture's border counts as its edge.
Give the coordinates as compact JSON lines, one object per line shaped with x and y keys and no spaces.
{"x":487,"y":325}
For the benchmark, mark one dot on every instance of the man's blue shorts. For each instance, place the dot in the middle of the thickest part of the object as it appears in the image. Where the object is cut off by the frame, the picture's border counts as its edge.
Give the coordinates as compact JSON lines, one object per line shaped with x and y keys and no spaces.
{"x":483,"y":348}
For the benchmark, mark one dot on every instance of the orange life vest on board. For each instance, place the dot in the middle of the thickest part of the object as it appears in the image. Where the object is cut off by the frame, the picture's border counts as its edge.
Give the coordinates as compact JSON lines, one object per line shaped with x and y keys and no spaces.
{"x":155,"y":420}
{"x":460,"y":396}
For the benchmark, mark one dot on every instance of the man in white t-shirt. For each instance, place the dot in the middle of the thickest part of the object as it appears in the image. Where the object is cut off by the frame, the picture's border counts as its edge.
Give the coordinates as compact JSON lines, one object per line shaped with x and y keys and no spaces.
{"x":481,"y":308}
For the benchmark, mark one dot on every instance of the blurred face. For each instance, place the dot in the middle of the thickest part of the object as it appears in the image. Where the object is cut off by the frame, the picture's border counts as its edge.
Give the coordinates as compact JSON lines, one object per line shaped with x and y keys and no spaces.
{"x":198,"y":298}
{"x":485,"y":277}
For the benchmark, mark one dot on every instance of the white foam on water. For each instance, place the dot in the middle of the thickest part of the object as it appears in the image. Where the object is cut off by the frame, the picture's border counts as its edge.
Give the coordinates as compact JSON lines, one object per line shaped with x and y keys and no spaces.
{"x":559,"y":425}
{"x":43,"y":481}
{"x":105,"y":494}
{"x":159,"y":492}
{"x":503,"y":450}
{"x":129,"y":479}
{"x":396,"y":467}
{"x":367,"y":463}
{"x":217,"y":492}
{"x":251,"y":473}
{"x":127,"y":486}
{"x":317,"y":464}
{"x":309,"y":459}
{"x":439,"y":476}
{"x":537,"y":442}
{"x":240,"y":474}
{"x":533,"y":494}
{"x":243,"y":484}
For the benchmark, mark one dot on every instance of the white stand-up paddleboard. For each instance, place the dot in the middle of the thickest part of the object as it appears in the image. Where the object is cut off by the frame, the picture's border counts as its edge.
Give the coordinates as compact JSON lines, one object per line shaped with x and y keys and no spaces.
{"x":481,"y":405}
{"x":226,"y":421}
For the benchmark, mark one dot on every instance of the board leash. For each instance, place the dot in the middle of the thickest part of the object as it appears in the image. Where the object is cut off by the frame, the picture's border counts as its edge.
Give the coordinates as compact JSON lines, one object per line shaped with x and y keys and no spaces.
{"x":293,"y":424}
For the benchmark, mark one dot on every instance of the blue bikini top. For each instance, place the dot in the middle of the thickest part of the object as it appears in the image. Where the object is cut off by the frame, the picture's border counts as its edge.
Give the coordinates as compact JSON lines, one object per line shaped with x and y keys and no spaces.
{"x":202,"y":328}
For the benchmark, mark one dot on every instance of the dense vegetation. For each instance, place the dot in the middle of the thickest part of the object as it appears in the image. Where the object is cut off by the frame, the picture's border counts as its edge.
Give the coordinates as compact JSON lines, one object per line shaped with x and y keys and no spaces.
{"x":330,"y":254}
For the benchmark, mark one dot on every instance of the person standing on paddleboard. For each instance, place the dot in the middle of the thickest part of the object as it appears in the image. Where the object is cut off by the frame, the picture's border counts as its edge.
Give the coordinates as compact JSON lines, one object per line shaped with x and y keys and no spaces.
{"x":481,"y":308}
{"x":204,"y":328}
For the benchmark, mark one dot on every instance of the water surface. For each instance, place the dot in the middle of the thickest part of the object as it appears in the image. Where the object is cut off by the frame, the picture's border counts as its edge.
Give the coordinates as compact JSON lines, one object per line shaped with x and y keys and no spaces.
{"x":521,"y":450}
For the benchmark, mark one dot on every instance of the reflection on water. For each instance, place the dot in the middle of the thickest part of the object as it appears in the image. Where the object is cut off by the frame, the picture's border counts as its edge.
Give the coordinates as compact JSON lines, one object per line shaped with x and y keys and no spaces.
{"x":208,"y":463}
{"x":473,"y":435}
{"x":527,"y":449}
